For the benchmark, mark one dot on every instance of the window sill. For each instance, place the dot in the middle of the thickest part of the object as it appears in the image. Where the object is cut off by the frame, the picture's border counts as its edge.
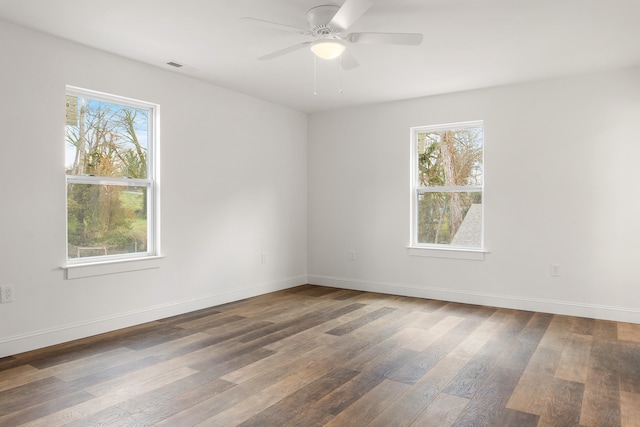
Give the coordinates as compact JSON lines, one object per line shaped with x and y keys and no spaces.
{"x":77,"y":271}
{"x":451,"y":253}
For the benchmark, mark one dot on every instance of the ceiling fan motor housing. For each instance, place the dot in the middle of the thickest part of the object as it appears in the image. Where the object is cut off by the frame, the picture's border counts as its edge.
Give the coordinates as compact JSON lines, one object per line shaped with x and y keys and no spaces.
{"x":319,"y":18}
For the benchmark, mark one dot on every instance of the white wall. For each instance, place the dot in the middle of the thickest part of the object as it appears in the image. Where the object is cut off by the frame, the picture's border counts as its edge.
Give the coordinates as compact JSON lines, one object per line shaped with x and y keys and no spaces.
{"x":562,"y":162}
{"x":233,"y":185}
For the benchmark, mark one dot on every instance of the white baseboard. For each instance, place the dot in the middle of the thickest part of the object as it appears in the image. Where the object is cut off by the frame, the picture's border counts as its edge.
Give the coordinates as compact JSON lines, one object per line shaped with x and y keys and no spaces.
{"x":57,"y":335}
{"x":569,"y":308}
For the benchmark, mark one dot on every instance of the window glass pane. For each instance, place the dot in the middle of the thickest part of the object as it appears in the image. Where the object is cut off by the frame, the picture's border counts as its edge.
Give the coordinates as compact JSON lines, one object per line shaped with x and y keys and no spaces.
{"x":105,"y":139}
{"x":450,"y":218}
{"x":449,"y":157}
{"x":106,"y":219}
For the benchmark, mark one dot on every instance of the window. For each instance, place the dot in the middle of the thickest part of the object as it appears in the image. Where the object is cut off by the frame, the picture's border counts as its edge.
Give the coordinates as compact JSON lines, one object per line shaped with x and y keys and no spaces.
{"x":111,"y":181}
{"x":447,"y":186}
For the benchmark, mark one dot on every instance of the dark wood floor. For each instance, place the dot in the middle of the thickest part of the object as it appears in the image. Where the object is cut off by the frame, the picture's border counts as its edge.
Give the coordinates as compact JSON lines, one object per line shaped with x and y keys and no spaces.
{"x":313,"y":356}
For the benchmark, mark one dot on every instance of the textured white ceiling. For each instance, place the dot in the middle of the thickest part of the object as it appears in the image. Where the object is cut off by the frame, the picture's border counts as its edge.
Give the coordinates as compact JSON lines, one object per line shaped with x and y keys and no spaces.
{"x":468,"y":43}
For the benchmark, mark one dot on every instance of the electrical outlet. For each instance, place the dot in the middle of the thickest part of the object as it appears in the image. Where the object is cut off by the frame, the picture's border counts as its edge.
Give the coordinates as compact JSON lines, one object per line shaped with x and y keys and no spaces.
{"x":264,"y":257}
{"x":6,"y":293}
{"x":555,"y":270}
{"x":352,"y":256}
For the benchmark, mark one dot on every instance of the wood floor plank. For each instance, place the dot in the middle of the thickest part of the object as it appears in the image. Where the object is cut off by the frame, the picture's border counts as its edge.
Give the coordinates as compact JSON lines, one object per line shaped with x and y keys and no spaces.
{"x":546,"y":357}
{"x":114,"y":372}
{"x":601,"y":402}
{"x":485,"y":407}
{"x":236,"y":331}
{"x":64,"y":416}
{"x":343,"y":397}
{"x":423,"y":338}
{"x":139,"y":382}
{"x":21,"y":375}
{"x":345,"y":294}
{"x":320,"y":291}
{"x":197,"y":413}
{"x":424,"y":361}
{"x":383,"y":328}
{"x":112,"y":416}
{"x":574,"y":359}
{"x":164,"y":402}
{"x":9,"y":362}
{"x":509,"y":352}
{"x":519,"y":350}
{"x":303,"y":308}
{"x":30,"y":394}
{"x":559,"y":330}
{"x":629,"y":332}
{"x":369,"y":406}
{"x":470,"y":378}
{"x":512,"y":418}
{"x":227,"y":363}
{"x":530,"y":393}
{"x":184,"y":318}
{"x":476,"y":340}
{"x":629,"y":366}
{"x":442,"y":412}
{"x":420,"y":395}
{"x":42,"y":409}
{"x":293,"y":326}
{"x":263,"y":399}
{"x":214,"y":320}
{"x":318,"y":345}
{"x":359,"y":322}
{"x":160,"y":335}
{"x":94,"y":364}
{"x":295,"y":407}
{"x":179,"y":346}
{"x":583,"y":326}
{"x":292,"y":341}
{"x":629,"y":409}
{"x":562,"y":404}
{"x":536,"y":383}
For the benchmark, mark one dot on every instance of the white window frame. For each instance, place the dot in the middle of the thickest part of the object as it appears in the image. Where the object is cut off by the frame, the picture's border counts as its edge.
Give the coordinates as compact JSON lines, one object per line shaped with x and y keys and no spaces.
{"x":441,"y":250}
{"x":108,"y":263}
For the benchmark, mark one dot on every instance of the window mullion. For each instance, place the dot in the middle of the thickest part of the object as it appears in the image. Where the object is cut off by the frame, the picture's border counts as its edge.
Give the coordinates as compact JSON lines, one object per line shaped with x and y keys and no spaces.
{"x":105,"y":180}
{"x":449,"y":189}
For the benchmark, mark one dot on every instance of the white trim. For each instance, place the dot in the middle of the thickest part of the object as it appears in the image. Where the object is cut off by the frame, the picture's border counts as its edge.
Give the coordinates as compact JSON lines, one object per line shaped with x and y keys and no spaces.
{"x":447,"y":126}
{"x":569,"y":308}
{"x":415,"y":190}
{"x":64,"y":333}
{"x":112,"y":266}
{"x":151,"y":183}
{"x":474,"y":254}
{"x":122,"y":100}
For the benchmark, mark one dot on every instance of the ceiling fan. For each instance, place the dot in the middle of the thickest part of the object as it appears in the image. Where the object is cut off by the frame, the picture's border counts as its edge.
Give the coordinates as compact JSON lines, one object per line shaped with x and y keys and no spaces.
{"x":327,"y":26}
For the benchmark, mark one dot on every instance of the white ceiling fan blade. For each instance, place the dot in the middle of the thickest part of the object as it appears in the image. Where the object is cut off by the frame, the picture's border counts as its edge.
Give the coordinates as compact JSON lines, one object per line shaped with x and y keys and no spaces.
{"x":412,"y":39}
{"x":350,"y":11}
{"x":348,"y":61}
{"x":275,"y":25}
{"x":284,"y":51}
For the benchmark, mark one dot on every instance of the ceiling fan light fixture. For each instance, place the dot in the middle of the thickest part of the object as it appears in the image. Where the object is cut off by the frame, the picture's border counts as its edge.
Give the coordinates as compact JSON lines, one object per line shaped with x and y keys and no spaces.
{"x":328,"y":48}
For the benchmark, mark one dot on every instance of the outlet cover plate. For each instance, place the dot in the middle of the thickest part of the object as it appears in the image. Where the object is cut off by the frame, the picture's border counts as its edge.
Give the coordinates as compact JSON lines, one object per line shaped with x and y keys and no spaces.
{"x":6,"y":293}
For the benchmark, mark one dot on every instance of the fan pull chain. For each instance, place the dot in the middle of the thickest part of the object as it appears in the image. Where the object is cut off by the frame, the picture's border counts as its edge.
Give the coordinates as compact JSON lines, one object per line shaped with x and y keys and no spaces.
{"x":315,"y":76}
{"x":340,"y":71}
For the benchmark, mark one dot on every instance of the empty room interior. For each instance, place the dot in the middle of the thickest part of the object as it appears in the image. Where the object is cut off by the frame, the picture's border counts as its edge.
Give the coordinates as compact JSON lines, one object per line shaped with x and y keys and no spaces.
{"x":318,"y":212}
